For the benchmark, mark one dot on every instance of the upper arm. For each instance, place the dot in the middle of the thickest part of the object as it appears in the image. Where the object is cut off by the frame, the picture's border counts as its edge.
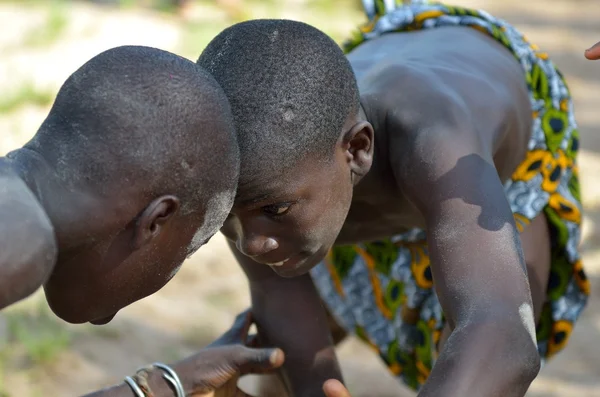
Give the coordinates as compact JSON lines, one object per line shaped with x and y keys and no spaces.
{"x":476,"y":257}
{"x":285,"y":307}
{"x":27,"y":243}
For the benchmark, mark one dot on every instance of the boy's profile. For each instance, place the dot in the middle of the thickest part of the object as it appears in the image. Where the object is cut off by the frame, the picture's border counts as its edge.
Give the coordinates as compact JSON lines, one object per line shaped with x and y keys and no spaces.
{"x":117,"y":187}
{"x":427,"y":181}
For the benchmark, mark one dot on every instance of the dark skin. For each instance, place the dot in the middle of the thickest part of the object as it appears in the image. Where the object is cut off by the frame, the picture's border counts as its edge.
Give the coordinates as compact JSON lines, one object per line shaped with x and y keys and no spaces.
{"x":216,"y":369}
{"x":42,"y":233}
{"x":95,"y":249}
{"x":445,"y":119}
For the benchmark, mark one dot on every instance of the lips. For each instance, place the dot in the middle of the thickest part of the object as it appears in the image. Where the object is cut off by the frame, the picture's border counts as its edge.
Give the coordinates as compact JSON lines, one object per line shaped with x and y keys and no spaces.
{"x":277,"y":264}
{"x":293,"y":267}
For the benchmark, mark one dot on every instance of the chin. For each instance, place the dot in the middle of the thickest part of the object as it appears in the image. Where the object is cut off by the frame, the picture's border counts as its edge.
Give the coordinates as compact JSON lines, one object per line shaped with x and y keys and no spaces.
{"x":103,"y":321}
{"x":66,"y":309}
{"x":66,"y":312}
{"x":69,"y":316}
{"x":298,"y":268}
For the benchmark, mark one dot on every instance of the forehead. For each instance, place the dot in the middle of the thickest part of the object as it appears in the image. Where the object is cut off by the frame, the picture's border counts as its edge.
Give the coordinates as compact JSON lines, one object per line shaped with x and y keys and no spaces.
{"x":267,"y":183}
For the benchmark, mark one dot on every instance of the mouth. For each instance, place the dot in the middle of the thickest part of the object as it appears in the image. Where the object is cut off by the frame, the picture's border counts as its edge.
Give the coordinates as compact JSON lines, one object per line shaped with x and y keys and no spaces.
{"x":294,"y":266}
{"x":278,"y":264}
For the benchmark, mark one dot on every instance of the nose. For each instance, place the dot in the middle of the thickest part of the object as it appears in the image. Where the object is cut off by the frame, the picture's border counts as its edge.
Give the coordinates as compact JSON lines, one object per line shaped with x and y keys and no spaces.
{"x":254,"y":246}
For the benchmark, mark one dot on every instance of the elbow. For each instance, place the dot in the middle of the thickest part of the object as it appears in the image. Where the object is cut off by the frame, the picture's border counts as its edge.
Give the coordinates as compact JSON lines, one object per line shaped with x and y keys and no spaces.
{"x":520,"y":336}
{"x":513,"y":346}
{"x":528,"y":362}
{"x":521,"y":356}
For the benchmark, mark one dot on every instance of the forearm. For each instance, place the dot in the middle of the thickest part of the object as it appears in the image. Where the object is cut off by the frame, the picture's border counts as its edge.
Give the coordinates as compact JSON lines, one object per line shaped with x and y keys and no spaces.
{"x":491,"y":358}
{"x":297,"y":323}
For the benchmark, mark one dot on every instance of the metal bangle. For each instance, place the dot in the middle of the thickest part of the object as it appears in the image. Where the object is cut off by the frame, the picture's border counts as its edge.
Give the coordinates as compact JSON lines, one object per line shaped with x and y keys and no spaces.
{"x":171,"y":376}
{"x":134,"y":386}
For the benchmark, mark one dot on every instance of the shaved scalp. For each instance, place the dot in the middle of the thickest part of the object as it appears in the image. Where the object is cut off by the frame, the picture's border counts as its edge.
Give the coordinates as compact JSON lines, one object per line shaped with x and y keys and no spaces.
{"x":144,"y":119}
{"x":290,"y":87}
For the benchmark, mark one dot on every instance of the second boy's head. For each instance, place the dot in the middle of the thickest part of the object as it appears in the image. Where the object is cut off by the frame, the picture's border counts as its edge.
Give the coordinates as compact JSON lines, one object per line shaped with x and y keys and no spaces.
{"x":136,"y":166}
{"x":303,"y":145}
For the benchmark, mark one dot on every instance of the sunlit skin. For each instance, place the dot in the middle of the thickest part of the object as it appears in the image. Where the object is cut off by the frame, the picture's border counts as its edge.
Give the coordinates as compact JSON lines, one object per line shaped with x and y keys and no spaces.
{"x":408,"y":159}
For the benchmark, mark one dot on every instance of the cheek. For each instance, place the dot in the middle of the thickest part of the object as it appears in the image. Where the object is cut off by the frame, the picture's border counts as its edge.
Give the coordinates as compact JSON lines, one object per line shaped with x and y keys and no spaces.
{"x":174,"y":271}
{"x":327,"y":216}
{"x":338,"y":202}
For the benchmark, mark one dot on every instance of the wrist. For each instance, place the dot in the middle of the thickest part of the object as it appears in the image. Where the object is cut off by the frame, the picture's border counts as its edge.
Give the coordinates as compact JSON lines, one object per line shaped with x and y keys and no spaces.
{"x":185,"y":369}
{"x":159,"y":385}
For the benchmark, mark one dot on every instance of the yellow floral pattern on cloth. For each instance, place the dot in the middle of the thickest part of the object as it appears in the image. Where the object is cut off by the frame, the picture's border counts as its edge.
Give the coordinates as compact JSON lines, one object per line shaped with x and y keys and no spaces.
{"x":383,"y":291}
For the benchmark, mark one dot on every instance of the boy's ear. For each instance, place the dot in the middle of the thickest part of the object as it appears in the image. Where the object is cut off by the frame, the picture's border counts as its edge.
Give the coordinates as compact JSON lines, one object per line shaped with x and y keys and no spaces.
{"x":153,"y":218}
{"x":359,"y":144}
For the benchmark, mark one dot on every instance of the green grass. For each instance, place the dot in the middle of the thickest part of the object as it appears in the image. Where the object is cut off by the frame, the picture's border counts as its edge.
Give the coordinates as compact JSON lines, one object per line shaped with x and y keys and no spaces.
{"x":26,"y":94}
{"x":158,"y":5}
{"x":3,"y":360}
{"x":36,"y":333}
{"x":196,"y":35}
{"x":53,"y":27}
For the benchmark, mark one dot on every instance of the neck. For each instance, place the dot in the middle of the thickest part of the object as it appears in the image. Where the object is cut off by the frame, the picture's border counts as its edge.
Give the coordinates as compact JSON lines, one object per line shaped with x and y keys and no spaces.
{"x":28,"y":246}
{"x":64,"y":206}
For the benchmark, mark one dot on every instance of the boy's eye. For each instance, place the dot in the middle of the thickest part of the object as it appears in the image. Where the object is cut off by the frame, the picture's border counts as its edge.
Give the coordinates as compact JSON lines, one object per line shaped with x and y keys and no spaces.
{"x":277,"y":209}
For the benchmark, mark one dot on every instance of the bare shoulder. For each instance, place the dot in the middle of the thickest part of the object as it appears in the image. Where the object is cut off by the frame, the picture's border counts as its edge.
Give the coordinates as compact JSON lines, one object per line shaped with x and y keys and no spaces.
{"x":27,"y":242}
{"x":439,"y":75}
{"x":424,"y":115}
{"x":445,"y":88}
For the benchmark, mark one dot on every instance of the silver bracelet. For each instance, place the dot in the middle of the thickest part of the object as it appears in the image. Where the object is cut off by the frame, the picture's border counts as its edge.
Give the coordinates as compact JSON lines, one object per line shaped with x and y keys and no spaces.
{"x":134,"y":386}
{"x":171,"y":376}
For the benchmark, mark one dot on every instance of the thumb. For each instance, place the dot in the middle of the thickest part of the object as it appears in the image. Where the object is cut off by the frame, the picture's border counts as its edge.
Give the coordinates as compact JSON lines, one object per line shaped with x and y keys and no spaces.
{"x":257,"y":361}
{"x":593,"y":53}
{"x":334,"y":388}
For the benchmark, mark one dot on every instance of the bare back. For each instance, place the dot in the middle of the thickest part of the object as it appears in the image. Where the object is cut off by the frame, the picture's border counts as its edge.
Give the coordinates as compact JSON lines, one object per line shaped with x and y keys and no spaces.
{"x":411,"y":78}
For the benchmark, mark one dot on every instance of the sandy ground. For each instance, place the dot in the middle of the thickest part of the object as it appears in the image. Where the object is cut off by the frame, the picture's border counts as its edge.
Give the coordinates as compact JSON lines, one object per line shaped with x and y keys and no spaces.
{"x":203,"y":298}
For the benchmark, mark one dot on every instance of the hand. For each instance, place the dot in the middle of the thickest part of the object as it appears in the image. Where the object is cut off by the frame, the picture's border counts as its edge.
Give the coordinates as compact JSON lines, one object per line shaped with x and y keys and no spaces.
{"x":334,"y":388}
{"x":594,"y":52}
{"x":215,"y":370}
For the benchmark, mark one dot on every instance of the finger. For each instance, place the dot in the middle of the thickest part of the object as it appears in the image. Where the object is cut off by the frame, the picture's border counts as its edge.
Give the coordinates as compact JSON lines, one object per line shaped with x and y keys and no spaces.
{"x":256,"y":361}
{"x":334,"y":388}
{"x":593,"y":53}
{"x":238,"y":331}
{"x":242,"y":325}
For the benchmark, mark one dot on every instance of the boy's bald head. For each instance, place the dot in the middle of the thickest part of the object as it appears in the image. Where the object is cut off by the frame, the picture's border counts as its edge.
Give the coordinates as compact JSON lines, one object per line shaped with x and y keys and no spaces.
{"x":290,"y":87}
{"x":141,"y":118}
{"x":303,"y":141}
{"x":140,"y":167}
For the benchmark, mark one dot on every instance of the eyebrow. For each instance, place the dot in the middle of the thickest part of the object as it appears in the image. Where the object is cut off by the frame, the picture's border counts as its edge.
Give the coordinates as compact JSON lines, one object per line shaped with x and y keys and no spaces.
{"x":256,"y":199}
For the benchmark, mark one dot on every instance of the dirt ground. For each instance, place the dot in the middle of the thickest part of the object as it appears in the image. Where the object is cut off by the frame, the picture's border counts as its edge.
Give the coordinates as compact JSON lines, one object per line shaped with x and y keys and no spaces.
{"x":43,"y":42}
